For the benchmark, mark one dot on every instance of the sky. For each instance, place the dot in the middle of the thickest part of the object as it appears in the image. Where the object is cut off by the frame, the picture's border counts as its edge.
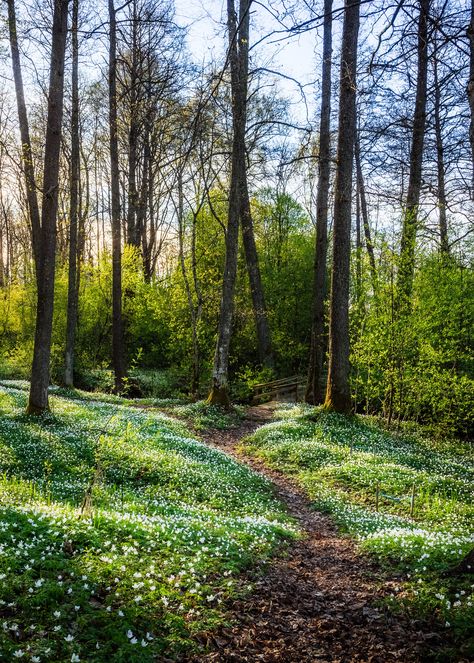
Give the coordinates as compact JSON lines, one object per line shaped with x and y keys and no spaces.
{"x":293,"y":58}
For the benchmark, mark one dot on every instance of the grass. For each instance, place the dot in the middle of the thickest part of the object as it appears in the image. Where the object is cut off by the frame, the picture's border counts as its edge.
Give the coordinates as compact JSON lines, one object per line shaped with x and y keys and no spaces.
{"x":121,"y":537}
{"x":339,"y":460}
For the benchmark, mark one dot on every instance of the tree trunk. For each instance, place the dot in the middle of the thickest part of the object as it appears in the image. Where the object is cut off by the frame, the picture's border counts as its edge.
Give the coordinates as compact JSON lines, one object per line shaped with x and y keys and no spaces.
{"x":470,"y":89}
{"x":406,"y":267}
{"x":38,"y":400}
{"x":365,"y":214}
{"x":118,"y":350}
{"x":264,"y":342}
{"x":358,"y":256}
{"x":194,"y":309}
{"x":443,"y":224}
{"x":315,"y":390}
{"x":133,"y":237}
{"x":338,"y":392}
{"x":73,"y":280}
{"x":238,"y":67}
{"x":26,"y":151}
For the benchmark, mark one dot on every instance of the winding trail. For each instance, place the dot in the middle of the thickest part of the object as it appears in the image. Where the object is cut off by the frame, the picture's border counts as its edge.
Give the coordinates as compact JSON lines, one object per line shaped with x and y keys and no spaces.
{"x":317,"y":602}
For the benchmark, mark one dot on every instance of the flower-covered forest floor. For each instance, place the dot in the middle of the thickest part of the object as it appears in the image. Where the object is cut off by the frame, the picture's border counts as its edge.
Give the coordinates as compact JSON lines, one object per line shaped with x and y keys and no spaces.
{"x":121,"y":536}
{"x":124,"y":537}
{"x":360,"y":584}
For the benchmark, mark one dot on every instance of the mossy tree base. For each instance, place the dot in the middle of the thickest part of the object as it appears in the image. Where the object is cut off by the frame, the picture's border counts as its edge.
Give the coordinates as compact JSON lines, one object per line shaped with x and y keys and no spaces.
{"x":36,"y":410}
{"x":338,"y":403}
{"x":219,"y":396}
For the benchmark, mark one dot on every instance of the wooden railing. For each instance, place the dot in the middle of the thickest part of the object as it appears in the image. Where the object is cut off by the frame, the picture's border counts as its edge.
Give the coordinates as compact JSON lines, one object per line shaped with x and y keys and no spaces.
{"x":293,"y":386}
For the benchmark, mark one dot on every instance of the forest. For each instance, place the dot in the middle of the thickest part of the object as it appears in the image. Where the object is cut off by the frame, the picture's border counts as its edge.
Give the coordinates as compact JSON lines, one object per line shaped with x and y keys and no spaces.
{"x":237,"y":331}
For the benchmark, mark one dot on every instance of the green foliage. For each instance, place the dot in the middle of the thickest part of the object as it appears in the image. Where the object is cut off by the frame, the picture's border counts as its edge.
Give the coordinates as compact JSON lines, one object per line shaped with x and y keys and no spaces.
{"x":339,"y":460}
{"x":246,"y":379}
{"x":120,"y":536}
{"x":419,"y":366}
{"x":413,"y":366}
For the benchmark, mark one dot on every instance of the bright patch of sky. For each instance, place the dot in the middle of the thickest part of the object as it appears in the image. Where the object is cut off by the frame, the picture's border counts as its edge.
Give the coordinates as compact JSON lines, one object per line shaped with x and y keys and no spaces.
{"x":293,"y":59}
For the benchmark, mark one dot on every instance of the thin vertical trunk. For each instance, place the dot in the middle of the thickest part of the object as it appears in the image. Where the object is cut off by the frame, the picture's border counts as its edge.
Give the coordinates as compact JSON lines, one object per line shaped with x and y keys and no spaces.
{"x":362,"y":196}
{"x":441,"y":173}
{"x":142,"y":226}
{"x":338,"y":391}
{"x":406,"y":268}
{"x":2,"y":263}
{"x":38,"y":400}
{"x":73,"y":281}
{"x":118,"y":350}
{"x":264,"y":341}
{"x":133,"y":236}
{"x":194,"y":310}
{"x":315,"y":389}
{"x":26,"y":151}
{"x":470,"y":89}
{"x":358,"y":252}
{"x":220,"y":390}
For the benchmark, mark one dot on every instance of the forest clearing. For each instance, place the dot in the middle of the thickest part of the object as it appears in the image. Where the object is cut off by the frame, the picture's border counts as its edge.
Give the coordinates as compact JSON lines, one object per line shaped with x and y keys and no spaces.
{"x":236,"y":331}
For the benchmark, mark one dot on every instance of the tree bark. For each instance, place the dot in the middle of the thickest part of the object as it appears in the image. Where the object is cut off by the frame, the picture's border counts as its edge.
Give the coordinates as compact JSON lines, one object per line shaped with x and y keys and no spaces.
{"x":365,"y":215}
{"x":406,"y":267}
{"x":315,"y":389}
{"x":38,"y":400}
{"x":264,"y":342}
{"x":219,"y":394}
{"x":26,"y":151}
{"x":133,"y":237}
{"x":338,"y":392}
{"x":470,"y":89}
{"x":118,"y":349}
{"x":440,"y":167}
{"x":73,"y":274}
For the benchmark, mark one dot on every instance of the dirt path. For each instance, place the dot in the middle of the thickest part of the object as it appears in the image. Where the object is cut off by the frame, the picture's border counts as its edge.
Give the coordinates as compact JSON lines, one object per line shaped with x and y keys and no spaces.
{"x":318,"y":602}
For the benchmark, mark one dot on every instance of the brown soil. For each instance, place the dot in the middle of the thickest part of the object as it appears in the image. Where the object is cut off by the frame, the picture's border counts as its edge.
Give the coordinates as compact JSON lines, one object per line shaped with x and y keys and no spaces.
{"x":321,"y":600}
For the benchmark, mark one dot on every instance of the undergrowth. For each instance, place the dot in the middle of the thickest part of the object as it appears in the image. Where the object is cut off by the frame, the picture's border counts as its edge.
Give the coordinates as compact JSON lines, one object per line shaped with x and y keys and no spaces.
{"x":120,"y":536}
{"x":340,"y":460}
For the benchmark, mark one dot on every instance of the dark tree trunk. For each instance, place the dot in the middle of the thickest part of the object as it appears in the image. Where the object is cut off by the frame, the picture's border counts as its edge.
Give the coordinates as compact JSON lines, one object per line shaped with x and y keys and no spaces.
{"x":315,"y":389}
{"x":264,"y":342}
{"x":118,"y":350}
{"x":73,"y":278}
{"x":443,"y":224}
{"x":195,"y":308}
{"x":470,"y":89}
{"x":406,"y":268}
{"x":26,"y":151}
{"x":365,"y":215}
{"x":220,"y":390}
{"x":2,"y":264}
{"x":358,"y":256}
{"x":338,"y":392}
{"x":38,"y":400}
{"x":133,"y":236}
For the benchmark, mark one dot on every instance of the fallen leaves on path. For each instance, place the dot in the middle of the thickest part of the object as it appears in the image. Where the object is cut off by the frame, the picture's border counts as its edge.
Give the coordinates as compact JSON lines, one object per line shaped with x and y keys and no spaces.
{"x":318,"y":602}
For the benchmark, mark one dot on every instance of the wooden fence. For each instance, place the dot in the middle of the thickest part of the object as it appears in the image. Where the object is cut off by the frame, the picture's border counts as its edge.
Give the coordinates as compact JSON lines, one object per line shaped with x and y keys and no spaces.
{"x":292,"y":387}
